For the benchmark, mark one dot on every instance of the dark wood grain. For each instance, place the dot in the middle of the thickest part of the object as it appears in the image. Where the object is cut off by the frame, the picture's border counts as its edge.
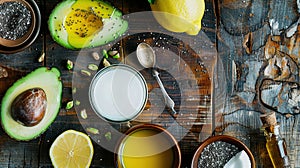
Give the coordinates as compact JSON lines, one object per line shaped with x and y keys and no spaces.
{"x":241,"y":33}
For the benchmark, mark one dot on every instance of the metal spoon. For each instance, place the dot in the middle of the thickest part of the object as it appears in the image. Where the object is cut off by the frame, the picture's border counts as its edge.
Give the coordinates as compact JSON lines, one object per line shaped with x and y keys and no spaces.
{"x":146,"y":57}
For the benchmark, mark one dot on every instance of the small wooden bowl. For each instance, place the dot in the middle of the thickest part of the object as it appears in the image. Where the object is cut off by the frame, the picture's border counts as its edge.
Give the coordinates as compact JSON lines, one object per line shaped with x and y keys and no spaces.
{"x":224,"y":138}
{"x":172,"y":143}
{"x":26,"y":36}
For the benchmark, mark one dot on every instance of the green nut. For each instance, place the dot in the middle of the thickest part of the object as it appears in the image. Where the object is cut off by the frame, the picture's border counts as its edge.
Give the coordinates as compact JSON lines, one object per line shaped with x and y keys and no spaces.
{"x":85,"y":72}
{"x":93,"y":67}
{"x":93,"y":130}
{"x":83,"y":114}
{"x":104,"y":53}
{"x":69,"y":105}
{"x":70,"y":65}
{"x":108,"y":136}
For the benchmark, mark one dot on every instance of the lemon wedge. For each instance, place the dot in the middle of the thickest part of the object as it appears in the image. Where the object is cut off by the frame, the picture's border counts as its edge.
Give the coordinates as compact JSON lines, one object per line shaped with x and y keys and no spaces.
{"x":71,"y":149}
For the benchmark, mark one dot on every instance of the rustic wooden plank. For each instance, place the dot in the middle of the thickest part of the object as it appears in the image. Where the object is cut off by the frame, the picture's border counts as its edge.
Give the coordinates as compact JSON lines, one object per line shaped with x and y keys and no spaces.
{"x":15,"y":153}
{"x":245,"y":29}
{"x":67,"y":119}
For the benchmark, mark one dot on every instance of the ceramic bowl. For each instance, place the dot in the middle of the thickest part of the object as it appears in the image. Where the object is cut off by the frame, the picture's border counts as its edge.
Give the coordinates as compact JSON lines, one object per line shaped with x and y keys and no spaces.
{"x":225,"y":138}
{"x":138,"y":148}
{"x":12,"y":46}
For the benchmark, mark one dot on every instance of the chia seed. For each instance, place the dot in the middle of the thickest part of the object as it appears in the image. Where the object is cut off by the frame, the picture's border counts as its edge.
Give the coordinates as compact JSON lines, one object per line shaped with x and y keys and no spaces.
{"x":217,"y":154}
{"x":15,"y":20}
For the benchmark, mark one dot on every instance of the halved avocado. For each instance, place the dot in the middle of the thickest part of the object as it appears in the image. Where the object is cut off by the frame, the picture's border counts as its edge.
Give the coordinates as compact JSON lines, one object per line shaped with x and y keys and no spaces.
{"x":77,"y":24}
{"x":44,"y":78}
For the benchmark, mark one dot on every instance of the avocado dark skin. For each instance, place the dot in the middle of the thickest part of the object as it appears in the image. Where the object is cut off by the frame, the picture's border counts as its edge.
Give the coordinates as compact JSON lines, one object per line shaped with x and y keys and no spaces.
{"x":29,"y":107}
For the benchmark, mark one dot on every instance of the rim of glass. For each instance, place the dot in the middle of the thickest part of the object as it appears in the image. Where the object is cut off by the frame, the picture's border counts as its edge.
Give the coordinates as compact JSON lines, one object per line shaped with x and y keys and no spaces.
{"x":100,"y":73}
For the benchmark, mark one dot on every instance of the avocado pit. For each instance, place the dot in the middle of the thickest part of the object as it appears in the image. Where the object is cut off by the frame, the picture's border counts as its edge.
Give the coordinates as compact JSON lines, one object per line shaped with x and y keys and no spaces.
{"x":29,"y":107}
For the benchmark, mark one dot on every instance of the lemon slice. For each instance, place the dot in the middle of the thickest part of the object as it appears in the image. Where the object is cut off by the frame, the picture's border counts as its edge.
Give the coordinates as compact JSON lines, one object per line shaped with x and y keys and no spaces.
{"x":71,"y":149}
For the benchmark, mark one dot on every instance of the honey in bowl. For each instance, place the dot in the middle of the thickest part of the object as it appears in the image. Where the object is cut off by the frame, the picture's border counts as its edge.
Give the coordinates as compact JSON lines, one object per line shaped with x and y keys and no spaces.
{"x":148,"y":146}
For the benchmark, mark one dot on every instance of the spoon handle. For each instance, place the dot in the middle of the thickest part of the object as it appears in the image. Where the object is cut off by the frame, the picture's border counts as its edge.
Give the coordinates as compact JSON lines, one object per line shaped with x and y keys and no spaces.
{"x":169,"y":102}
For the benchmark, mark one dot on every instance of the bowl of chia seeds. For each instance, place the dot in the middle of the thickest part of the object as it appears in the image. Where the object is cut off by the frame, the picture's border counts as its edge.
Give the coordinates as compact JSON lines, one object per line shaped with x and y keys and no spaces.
{"x":222,"y":150}
{"x":19,"y":24}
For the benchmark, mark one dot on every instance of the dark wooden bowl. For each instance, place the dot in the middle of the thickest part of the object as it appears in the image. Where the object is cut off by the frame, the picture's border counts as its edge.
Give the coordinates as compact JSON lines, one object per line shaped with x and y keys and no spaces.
{"x":224,"y":138}
{"x":13,"y":46}
{"x":26,"y":36}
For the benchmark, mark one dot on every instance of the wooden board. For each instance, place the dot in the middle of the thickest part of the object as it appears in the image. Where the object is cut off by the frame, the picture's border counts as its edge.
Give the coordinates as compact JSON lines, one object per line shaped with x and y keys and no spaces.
{"x":248,"y":43}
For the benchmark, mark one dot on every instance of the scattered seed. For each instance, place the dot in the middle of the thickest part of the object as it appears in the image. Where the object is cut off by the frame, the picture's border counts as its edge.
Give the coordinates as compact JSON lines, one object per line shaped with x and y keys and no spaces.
{"x":217,"y":154}
{"x":93,"y":67}
{"x":93,"y":130}
{"x":69,"y":105}
{"x":3,"y":72}
{"x":105,"y":62}
{"x":96,"y":56}
{"x":15,"y":20}
{"x":85,"y":72}
{"x":108,"y":136}
{"x":70,"y":65}
{"x":42,"y":57}
{"x":83,"y":114}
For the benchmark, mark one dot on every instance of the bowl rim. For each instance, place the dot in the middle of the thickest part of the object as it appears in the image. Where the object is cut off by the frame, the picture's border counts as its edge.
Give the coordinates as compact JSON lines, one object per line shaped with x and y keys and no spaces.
{"x":35,"y":31}
{"x":169,"y":136}
{"x":225,"y":138}
{"x":26,"y":36}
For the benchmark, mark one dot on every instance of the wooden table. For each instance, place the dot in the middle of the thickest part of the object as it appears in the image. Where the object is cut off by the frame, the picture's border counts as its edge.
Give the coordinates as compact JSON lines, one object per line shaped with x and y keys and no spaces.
{"x":245,"y":36}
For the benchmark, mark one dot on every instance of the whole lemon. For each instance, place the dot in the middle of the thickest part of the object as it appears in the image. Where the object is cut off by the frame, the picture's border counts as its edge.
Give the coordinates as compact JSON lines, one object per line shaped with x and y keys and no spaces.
{"x":179,"y":15}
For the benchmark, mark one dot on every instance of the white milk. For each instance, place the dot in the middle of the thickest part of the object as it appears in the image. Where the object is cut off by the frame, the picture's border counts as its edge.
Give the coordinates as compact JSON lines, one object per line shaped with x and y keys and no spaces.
{"x":118,"y":93}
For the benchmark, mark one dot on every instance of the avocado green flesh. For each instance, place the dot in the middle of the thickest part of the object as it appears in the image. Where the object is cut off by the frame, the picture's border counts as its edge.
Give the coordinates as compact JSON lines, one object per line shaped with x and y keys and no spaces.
{"x":49,"y":81}
{"x":57,"y":30}
{"x":113,"y":24}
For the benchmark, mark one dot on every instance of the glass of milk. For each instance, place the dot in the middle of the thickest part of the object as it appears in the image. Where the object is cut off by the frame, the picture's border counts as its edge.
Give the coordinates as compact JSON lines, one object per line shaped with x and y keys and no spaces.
{"x":118,"y":93}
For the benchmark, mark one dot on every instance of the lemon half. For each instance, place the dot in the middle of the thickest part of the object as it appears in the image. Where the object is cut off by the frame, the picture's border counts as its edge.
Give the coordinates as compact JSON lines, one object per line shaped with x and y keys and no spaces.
{"x":71,"y":149}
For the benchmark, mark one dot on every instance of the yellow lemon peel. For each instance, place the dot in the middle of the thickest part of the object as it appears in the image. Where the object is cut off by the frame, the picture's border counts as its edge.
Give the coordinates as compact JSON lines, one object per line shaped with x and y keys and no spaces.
{"x":179,"y":15}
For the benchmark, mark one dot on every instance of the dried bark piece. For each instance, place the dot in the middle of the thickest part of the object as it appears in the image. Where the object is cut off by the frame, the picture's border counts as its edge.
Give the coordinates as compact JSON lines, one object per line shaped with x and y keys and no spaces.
{"x":3,"y":72}
{"x":268,"y":119}
{"x":248,"y":43}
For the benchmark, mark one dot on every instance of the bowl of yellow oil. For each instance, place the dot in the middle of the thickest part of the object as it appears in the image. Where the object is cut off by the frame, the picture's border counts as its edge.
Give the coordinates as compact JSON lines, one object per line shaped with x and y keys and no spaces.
{"x":147,"y":146}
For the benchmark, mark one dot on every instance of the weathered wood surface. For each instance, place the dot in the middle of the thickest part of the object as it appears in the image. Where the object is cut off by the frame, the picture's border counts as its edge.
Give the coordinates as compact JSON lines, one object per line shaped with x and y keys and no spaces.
{"x":261,"y":59}
{"x":261,"y":67}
